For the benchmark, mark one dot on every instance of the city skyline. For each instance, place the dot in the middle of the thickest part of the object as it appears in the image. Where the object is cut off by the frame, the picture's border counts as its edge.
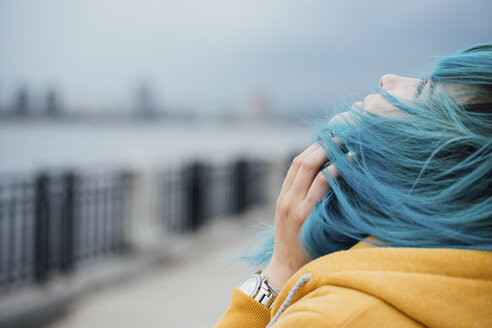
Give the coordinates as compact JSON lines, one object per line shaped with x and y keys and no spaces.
{"x":213,"y":56}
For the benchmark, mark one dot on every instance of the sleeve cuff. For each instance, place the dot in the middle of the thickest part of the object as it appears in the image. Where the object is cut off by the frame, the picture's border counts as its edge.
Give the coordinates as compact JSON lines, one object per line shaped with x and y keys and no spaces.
{"x":244,"y":312}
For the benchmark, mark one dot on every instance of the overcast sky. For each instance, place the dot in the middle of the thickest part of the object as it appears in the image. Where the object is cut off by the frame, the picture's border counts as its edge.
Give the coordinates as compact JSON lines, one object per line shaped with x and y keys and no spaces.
{"x":215,"y":54}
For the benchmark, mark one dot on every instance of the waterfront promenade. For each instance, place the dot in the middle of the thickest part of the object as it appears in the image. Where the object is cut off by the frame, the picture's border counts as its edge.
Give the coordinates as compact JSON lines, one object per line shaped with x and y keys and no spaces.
{"x":188,"y":290}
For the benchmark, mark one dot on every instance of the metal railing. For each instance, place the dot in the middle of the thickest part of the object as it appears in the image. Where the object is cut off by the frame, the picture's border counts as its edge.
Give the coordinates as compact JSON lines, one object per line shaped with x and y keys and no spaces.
{"x":51,"y":223}
{"x":197,"y":192}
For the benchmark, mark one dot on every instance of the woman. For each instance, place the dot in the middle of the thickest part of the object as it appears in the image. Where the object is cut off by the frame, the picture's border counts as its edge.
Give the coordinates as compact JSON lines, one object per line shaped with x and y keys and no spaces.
{"x":396,"y":228}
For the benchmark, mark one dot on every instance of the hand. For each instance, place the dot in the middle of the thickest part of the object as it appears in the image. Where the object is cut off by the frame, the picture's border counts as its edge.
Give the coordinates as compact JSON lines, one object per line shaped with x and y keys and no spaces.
{"x":303,"y":186}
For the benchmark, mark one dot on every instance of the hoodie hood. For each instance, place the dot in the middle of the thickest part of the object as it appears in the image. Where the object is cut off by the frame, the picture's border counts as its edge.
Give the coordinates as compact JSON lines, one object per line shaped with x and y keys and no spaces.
{"x":434,"y":287}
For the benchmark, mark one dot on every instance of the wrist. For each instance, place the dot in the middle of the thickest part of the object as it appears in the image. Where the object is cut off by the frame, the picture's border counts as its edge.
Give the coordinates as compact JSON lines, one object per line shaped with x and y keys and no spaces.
{"x":277,"y":275}
{"x":278,"y":271}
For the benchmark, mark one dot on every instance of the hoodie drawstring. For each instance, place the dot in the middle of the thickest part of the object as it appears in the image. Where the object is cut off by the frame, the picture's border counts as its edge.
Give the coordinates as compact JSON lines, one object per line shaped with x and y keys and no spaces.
{"x":301,"y":282}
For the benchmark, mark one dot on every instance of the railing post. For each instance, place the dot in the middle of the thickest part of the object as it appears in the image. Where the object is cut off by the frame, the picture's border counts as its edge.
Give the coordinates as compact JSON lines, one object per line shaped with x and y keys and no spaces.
{"x":258,"y":178}
{"x":67,"y":223}
{"x":41,"y":227}
{"x":240,"y":186}
{"x":3,"y":264}
{"x":195,"y":196}
{"x":126,"y":187}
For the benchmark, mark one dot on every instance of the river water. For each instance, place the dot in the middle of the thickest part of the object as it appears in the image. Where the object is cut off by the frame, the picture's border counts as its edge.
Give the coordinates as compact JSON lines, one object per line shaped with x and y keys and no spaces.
{"x":26,"y":146}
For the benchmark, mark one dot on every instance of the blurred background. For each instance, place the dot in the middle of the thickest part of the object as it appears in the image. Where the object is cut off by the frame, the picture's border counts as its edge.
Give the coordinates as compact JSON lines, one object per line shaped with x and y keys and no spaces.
{"x":141,"y":140}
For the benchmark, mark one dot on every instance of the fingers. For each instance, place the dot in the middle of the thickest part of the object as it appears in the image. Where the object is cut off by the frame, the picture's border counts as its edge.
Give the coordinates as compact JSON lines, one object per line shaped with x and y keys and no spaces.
{"x":295,"y":166}
{"x":307,"y":172}
{"x":297,"y":162}
{"x":320,"y":185}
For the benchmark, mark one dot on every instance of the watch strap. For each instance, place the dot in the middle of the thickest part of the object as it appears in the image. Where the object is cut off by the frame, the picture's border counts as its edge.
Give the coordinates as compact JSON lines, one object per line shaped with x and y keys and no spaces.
{"x":272,"y":289}
{"x":265,"y":294}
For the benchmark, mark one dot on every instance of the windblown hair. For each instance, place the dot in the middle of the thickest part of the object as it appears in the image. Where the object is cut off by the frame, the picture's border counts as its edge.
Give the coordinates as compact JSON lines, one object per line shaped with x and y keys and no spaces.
{"x":420,"y":179}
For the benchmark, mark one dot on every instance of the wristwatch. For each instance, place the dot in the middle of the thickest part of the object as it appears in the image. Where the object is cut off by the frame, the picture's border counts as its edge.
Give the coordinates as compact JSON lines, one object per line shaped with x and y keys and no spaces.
{"x":258,"y":288}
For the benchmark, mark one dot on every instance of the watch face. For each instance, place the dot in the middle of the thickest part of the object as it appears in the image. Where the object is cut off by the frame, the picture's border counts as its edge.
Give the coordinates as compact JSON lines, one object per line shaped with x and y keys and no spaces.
{"x":250,"y":285}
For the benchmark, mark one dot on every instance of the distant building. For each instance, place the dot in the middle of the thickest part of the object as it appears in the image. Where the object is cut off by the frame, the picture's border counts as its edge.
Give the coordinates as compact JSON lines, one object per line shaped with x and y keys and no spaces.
{"x":257,"y":107}
{"x":21,"y":103}
{"x":52,"y":107}
{"x":146,"y":105}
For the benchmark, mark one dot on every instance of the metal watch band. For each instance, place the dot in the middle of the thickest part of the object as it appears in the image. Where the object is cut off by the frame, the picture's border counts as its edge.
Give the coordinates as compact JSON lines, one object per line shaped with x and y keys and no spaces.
{"x":264,"y":293}
{"x":264,"y":296}
{"x":272,"y":289}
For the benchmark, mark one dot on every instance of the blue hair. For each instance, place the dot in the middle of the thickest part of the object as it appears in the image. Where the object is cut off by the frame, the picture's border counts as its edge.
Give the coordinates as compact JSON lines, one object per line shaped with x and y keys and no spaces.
{"x":420,"y":179}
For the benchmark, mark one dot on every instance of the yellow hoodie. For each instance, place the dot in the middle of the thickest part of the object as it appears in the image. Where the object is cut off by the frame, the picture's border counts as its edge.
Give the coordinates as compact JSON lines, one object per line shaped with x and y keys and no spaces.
{"x":378,"y":287}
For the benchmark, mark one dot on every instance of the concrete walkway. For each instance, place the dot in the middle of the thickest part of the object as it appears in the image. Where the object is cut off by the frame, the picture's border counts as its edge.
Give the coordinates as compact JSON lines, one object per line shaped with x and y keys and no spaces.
{"x":190,"y":290}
